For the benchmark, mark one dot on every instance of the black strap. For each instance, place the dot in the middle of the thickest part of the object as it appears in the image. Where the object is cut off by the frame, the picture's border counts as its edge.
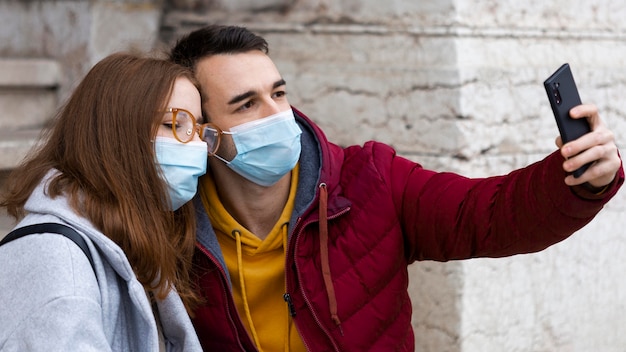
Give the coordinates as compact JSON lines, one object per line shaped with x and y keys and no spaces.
{"x":50,"y":227}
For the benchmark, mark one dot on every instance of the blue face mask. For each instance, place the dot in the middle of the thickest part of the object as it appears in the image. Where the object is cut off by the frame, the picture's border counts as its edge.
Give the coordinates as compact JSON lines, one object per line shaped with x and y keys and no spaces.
{"x":182,"y":164}
{"x":267,"y":149}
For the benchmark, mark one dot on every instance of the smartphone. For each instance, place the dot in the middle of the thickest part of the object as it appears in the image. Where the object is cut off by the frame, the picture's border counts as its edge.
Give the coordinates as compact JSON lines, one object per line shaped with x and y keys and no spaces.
{"x":563,"y":96}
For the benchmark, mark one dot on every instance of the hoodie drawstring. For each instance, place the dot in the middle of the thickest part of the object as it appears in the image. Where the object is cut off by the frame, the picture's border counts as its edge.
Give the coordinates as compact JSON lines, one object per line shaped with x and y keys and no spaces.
{"x":287,"y":339}
{"x":328,"y":281}
{"x":244,"y":295}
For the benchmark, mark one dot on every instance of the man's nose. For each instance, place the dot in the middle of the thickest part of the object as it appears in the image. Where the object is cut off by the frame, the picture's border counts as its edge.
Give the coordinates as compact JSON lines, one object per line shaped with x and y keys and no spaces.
{"x":271,"y":107}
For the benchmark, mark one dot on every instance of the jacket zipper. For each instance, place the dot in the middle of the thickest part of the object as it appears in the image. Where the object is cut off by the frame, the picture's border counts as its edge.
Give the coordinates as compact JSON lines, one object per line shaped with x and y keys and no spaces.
{"x":224,"y":291}
{"x":290,"y":306}
{"x":287,"y":296}
{"x":306,"y":299}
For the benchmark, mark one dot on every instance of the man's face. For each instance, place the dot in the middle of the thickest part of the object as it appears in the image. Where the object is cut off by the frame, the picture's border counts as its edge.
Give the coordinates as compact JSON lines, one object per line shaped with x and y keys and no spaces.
{"x":239,"y":88}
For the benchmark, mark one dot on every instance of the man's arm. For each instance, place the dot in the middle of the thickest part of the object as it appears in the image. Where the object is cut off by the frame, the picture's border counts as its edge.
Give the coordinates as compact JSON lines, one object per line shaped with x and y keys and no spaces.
{"x":447,"y":216}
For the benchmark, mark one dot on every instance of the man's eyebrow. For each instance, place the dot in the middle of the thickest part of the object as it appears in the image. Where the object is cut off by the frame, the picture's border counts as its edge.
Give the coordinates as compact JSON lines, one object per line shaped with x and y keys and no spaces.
{"x":238,"y":98}
{"x":280,"y":82}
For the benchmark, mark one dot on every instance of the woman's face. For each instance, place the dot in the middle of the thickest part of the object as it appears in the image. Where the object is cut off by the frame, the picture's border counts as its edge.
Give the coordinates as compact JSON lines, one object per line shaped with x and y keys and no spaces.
{"x":185,"y":96}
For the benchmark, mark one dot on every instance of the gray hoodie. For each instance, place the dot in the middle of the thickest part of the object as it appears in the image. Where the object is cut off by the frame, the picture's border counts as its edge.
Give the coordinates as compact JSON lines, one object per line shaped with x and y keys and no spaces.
{"x":50,"y":299}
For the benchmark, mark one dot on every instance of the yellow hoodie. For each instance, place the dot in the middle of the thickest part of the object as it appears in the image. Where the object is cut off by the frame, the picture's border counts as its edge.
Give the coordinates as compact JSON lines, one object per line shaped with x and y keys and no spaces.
{"x":256,"y":269}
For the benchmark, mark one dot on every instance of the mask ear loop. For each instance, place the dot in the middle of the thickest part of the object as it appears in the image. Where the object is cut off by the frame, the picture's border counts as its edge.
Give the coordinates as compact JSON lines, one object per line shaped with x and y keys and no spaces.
{"x":220,"y":158}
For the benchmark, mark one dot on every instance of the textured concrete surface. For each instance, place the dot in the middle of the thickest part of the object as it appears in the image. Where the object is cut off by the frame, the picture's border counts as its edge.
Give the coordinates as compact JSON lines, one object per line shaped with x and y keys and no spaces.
{"x":6,"y":223}
{"x":454,"y":85}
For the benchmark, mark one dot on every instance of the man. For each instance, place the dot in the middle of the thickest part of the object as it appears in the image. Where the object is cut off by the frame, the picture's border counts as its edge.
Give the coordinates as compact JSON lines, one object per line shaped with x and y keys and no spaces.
{"x":304,"y":245}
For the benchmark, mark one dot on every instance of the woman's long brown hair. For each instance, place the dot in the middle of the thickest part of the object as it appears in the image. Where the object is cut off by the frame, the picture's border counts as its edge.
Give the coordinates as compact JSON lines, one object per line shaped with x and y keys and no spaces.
{"x":101,"y":142}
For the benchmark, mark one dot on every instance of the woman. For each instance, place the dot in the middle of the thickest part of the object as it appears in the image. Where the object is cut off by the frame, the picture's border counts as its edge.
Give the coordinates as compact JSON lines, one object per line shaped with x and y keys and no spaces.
{"x":118,"y":165}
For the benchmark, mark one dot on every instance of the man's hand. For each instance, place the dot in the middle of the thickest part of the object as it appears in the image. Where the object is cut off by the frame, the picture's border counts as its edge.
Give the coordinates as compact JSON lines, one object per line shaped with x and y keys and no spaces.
{"x":598,"y":147}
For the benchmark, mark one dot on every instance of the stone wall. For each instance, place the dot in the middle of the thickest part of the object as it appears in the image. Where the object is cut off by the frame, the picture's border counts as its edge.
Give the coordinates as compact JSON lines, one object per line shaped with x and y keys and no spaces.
{"x":46,"y":47}
{"x":455,"y":85}
{"x":77,"y":33}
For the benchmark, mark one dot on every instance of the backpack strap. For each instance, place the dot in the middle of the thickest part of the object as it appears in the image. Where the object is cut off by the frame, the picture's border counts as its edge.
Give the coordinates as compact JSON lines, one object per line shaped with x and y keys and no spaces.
{"x":51,"y":227}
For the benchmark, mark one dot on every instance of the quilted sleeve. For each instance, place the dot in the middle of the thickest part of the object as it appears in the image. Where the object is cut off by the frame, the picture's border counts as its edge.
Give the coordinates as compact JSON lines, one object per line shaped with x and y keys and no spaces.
{"x":446,"y":216}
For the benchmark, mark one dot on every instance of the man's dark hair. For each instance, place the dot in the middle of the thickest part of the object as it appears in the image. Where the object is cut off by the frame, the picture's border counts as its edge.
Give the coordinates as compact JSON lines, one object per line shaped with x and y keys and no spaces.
{"x":214,"y":40}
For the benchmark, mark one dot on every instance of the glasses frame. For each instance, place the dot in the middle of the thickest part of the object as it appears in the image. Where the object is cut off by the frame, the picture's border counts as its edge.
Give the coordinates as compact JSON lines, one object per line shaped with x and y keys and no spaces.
{"x":198,"y":128}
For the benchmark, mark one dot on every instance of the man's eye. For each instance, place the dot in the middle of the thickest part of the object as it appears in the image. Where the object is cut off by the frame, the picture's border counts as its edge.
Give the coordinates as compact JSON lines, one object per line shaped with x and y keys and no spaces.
{"x":280,"y":94}
{"x":247,"y":105}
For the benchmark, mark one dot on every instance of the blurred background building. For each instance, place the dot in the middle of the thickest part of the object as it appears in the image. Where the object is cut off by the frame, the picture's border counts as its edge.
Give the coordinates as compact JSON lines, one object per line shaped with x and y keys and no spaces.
{"x":455,"y":85}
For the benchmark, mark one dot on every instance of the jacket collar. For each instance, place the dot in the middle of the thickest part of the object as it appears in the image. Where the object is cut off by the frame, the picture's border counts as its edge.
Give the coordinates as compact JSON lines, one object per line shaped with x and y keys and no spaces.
{"x":315,"y":169}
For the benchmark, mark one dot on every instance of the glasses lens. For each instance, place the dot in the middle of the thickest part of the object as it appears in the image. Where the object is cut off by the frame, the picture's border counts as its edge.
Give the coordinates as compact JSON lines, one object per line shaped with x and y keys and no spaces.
{"x":183,"y":124}
{"x":211,"y":137}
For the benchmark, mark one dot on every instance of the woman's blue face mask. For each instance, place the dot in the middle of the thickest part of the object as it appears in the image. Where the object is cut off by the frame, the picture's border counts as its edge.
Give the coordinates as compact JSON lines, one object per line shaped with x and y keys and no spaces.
{"x":182,"y":164}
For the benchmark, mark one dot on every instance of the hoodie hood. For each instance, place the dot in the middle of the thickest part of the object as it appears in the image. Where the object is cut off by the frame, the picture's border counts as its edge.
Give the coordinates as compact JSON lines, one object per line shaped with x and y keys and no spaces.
{"x":41,"y":207}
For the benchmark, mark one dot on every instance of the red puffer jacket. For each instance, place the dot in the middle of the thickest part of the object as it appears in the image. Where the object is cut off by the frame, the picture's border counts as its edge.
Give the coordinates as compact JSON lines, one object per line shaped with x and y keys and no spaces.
{"x":362,"y":215}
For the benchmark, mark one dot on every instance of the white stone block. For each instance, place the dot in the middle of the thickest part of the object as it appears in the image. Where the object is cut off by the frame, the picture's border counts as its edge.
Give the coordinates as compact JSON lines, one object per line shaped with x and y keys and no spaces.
{"x":26,"y":108}
{"x":27,"y":72}
{"x":122,"y":27}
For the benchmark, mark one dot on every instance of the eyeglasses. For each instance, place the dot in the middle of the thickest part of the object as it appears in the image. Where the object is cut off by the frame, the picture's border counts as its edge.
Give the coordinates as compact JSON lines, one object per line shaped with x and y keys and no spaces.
{"x":184,"y":127}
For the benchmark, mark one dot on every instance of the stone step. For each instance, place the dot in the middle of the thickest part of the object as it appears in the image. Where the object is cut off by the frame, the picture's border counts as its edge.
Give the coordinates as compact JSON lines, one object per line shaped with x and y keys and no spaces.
{"x":29,"y":72}
{"x":6,"y":222}
{"x":26,"y":108}
{"x":28,"y":91}
{"x":14,"y":145}
{"x":28,"y":99}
